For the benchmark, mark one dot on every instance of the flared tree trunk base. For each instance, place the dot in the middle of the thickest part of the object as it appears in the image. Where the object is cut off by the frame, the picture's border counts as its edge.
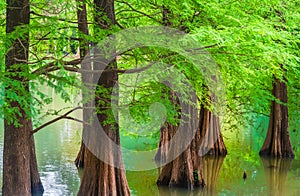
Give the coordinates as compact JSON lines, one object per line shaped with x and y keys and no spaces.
{"x":277,"y":142}
{"x":212,"y":142}
{"x":185,"y":171}
{"x":20,"y":172}
{"x":37,"y":188}
{"x":99,"y":178}
{"x":79,"y":161}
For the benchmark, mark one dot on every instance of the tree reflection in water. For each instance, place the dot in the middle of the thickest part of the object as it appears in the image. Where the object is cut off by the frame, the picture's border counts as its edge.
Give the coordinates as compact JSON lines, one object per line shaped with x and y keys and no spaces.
{"x":211,"y":168}
{"x":276,"y":170}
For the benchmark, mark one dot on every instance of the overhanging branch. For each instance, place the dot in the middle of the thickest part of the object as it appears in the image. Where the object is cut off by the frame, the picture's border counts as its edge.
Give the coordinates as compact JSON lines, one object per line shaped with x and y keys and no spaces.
{"x":64,"y":116}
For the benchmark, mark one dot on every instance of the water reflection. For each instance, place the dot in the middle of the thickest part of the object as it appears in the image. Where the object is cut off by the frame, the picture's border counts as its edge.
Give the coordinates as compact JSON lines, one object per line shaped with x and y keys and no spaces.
{"x":58,"y":144}
{"x":276,"y":171}
{"x":56,"y":148}
{"x":211,"y":169}
{"x":164,"y":191}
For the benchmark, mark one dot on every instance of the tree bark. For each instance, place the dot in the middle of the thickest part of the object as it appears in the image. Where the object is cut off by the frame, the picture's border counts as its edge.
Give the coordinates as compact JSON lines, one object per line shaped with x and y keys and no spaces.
{"x":277,"y":142}
{"x":211,"y":138}
{"x":20,"y":173}
{"x":16,"y":158}
{"x":99,"y":177}
{"x":166,"y":134}
{"x":37,"y":188}
{"x":83,"y":50}
{"x":185,"y":171}
{"x":79,"y":161}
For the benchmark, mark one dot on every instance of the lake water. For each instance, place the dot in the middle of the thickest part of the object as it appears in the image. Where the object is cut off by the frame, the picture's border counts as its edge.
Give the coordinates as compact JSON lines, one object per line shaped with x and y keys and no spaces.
{"x":57,"y":146}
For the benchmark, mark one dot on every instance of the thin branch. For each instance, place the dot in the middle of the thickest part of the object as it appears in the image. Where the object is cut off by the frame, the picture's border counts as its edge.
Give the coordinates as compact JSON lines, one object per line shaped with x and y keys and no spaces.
{"x":34,"y":62}
{"x":44,"y":36}
{"x":142,"y":13}
{"x":64,"y":116}
{"x":52,"y":66}
{"x":202,"y":48}
{"x":119,"y":25}
{"x":60,"y":19}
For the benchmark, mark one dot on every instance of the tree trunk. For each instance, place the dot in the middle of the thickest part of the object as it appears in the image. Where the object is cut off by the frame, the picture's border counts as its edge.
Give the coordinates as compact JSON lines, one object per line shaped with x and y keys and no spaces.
{"x":166,"y":133}
{"x":99,"y":177}
{"x":277,"y":142}
{"x":211,"y":138}
{"x":185,"y":170}
{"x":83,"y":50}
{"x":178,"y":173}
{"x":20,"y":173}
{"x":276,"y":170}
{"x":37,"y":188}
{"x":16,"y":158}
{"x":79,"y":161}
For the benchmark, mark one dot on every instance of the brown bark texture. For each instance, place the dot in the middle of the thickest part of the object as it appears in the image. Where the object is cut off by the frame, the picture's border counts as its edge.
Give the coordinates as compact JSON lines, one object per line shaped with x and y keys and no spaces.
{"x":277,"y":142}
{"x":99,"y":176}
{"x":79,"y":161}
{"x":212,"y":142}
{"x":20,"y":173}
{"x":86,"y":78}
{"x":185,"y":170}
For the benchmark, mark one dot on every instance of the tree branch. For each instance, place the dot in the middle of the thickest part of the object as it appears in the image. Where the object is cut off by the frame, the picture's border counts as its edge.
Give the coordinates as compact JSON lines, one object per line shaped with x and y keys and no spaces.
{"x":52,"y":66}
{"x":60,"y":19}
{"x":202,"y":48}
{"x":64,"y":116}
{"x":137,"y":11}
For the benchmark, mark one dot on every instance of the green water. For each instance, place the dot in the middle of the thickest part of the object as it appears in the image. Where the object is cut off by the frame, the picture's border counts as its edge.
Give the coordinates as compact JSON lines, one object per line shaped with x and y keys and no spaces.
{"x":58,"y":144}
{"x":264,"y":176}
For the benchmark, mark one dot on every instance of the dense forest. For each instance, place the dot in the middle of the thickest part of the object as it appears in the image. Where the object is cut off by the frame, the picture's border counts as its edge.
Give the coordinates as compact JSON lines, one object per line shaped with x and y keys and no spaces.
{"x":158,"y":86}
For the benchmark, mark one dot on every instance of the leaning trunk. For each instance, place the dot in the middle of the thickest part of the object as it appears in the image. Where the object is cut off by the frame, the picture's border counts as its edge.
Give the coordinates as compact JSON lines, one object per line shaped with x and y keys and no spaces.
{"x":277,"y":142}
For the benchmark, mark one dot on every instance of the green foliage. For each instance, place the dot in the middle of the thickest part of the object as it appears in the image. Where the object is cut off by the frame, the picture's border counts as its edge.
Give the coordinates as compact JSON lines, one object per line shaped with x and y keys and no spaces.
{"x":249,"y":41}
{"x":50,"y":44}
